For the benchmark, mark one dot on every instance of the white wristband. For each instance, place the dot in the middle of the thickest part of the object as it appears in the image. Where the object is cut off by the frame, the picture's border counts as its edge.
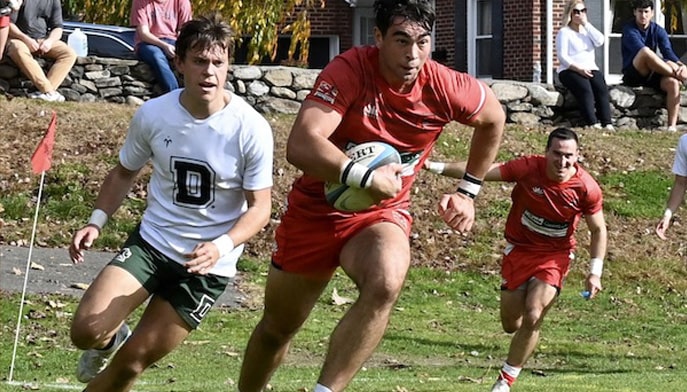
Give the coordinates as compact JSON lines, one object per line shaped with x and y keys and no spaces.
{"x":436,"y":167}
{"x":596,"y":266}
{"x":356,"y":175}
{"x":468,"y":188}
{"x":668,"y":213}
{"x":98,"y":218}
{"x":224,"y":244}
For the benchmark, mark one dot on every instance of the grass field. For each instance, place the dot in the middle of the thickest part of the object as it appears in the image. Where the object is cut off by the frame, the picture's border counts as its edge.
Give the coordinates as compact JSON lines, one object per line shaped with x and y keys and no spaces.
{"x":444,"y":334}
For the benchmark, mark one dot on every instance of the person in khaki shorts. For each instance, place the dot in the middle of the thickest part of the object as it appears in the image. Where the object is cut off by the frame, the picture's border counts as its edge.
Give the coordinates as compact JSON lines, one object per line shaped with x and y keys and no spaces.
{"x":35,"y":31}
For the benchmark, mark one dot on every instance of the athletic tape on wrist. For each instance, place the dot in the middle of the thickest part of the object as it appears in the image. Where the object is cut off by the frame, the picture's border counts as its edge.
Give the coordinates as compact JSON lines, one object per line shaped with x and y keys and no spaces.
{"x":98,"y":218}
{"x":356,"y":175}
{"x":436,"y":167}
{"x":668,"y":213}
{"x":596,"y":266}
{"x":469,"y":185}
{"x":224,"y":244}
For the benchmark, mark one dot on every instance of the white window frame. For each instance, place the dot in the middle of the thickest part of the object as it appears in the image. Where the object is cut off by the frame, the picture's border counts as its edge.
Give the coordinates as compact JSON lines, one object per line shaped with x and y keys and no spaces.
{"x":364,"y":9}
{"x":359,"y":13}
{"x":473,"y":37}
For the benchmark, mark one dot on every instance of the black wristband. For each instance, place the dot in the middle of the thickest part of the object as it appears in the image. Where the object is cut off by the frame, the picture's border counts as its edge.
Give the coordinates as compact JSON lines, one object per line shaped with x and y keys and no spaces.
{"x":466,"y":193}
{"x":344,"y":173}
{"x":470,"y":178}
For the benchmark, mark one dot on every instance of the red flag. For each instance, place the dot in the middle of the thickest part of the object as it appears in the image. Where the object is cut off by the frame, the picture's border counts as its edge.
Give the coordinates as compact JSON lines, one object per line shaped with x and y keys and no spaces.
{"x":42,"y":157}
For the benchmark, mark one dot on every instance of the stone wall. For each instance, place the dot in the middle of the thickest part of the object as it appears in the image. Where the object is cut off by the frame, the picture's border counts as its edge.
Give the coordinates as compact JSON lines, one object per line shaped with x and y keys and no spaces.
{"x":282,"y":89}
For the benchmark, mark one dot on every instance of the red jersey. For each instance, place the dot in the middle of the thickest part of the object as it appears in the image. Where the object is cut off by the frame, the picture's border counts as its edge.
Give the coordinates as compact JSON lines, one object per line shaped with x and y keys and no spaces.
{"x":372,"y":111}
{"x":545,"y":213}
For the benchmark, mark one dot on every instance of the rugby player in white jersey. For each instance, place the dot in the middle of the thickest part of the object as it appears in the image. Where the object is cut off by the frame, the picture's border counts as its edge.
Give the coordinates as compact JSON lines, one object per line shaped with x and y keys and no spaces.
{"x":209,"y":193}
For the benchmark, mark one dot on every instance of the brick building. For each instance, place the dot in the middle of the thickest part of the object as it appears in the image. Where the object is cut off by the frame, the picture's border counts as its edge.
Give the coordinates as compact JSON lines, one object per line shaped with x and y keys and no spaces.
{"x":499,"y":39}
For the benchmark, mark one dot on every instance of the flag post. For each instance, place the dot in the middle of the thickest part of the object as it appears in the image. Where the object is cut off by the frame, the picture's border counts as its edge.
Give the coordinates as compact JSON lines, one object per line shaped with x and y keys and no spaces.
{"x":41,"y":160}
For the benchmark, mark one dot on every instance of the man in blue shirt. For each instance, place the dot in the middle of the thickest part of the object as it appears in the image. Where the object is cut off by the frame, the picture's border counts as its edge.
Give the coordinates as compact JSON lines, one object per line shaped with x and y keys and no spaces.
{"x":642,"y":66}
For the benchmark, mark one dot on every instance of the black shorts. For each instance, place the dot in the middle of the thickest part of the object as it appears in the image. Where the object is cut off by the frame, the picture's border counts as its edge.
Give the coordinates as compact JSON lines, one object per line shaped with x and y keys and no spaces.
{"x":191,"y":295}
{"x":633,"y":78}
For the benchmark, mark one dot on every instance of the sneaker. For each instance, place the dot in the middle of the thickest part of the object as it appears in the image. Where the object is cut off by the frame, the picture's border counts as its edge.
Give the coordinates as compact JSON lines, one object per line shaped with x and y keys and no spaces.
{"x":93,"y":361}
{"x":52,"y":96}
{"x":597,"y":126}
{"x":609,"y":127}
{"x":500,"y":386}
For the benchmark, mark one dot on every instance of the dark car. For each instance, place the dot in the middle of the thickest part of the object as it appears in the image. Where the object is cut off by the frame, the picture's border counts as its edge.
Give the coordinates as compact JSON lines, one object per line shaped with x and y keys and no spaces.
{"x":105,"y":40}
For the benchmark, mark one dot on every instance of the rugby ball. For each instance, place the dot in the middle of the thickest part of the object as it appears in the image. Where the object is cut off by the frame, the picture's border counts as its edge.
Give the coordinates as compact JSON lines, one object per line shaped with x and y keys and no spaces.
{"x":352,"y":199}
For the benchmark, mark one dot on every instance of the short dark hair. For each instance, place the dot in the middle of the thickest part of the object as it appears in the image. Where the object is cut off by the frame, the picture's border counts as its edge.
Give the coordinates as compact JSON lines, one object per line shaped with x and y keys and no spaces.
{"x":203,"y":33}
{"x":418,"y":11}
{"x":563,"y":134}
{"x":641,"y":4}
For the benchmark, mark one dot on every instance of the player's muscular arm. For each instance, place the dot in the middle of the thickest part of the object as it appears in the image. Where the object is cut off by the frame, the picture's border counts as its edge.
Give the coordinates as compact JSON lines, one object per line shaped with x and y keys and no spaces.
{"x":308,"y":147}
{"x":115,"y":187}
{"x":457,"y":170}
{"x":486,"y":137}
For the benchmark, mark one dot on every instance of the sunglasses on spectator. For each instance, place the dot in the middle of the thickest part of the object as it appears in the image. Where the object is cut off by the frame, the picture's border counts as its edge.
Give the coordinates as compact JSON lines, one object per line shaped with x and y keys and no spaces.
{"x":579,"y":11}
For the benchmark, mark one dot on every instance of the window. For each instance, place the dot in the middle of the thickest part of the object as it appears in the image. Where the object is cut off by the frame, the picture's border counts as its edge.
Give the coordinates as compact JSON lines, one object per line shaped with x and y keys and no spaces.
{"x":363,"y":25}
{"x":480,"y":38}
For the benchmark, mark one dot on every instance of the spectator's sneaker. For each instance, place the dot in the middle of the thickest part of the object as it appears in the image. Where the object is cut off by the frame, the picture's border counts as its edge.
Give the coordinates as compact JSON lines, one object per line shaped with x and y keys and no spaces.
{"x":609,"y":127}
{"x":500,"y":385}
{"x":93,"y":361}
{"x":52,"y":96}
{"x":597,"y":126}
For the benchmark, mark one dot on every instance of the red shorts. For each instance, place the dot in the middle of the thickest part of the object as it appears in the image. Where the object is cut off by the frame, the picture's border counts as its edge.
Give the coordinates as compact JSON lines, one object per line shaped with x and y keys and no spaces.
{"x":310,"y":243}
{"x":4,"y":21}
{"x":519,"y":265}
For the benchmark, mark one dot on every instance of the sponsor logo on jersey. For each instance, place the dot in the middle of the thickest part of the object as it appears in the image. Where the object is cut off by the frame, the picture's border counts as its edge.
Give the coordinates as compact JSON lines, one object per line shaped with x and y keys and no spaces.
{"x":370,"y":110}
{"x":544,"y":226}
{"x":537,"y":190}
{"x":168,"y":141}
{"x":123,"y":255}
{"x":326,"y":92}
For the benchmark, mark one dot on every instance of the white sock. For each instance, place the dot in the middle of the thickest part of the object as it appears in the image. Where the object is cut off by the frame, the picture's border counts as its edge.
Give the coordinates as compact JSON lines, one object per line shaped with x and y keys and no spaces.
{"x":321,"y":388}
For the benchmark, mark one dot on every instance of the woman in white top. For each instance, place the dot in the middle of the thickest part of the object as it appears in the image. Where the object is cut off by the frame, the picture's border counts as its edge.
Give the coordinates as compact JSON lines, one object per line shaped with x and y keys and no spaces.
{"x":578,"y":72}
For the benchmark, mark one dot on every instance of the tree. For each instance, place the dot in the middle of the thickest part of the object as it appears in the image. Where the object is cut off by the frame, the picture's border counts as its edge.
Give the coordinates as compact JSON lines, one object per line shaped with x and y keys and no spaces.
{"x":672,"y":9}
{"x":262,"y":20}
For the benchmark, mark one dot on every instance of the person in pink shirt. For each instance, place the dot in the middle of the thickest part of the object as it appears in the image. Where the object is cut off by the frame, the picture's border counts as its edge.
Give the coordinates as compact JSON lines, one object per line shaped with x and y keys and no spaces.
{"x":157,"y":24}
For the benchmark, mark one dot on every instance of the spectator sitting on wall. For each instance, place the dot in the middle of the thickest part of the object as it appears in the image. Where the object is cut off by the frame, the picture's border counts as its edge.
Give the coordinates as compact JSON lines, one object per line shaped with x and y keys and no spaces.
{"x":157,"y":25}
{"x":36,"y":30}
{"x":642,"y":66}
{"x":578,"y":72}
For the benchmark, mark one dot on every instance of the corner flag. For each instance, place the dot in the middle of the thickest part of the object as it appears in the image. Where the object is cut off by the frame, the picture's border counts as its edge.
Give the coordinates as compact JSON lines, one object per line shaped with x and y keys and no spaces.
{"x":42,"y":157}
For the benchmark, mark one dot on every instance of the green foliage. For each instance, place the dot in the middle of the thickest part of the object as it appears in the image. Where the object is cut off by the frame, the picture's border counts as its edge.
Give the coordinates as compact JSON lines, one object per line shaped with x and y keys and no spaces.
{"x":262,"y":20}
{"x":634,"y":194}
{"x":15,"y":207}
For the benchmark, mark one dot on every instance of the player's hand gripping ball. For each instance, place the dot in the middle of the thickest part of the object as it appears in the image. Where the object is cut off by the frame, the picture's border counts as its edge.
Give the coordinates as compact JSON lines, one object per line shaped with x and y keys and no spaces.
{"x":352,"y":199}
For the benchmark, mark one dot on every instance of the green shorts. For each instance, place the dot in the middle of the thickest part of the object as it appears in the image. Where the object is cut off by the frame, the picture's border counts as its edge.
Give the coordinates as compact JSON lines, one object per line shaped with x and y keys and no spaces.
{"x":191,"y":295}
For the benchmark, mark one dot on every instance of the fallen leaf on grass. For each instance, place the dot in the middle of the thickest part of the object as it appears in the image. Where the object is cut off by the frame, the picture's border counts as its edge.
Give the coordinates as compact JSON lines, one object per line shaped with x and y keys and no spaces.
{"x":36,"y":266}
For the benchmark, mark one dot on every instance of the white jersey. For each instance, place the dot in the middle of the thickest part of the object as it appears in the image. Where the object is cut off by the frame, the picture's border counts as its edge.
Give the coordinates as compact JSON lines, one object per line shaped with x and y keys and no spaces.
{"x":200,"y":171}
{"x":680,"y":163}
